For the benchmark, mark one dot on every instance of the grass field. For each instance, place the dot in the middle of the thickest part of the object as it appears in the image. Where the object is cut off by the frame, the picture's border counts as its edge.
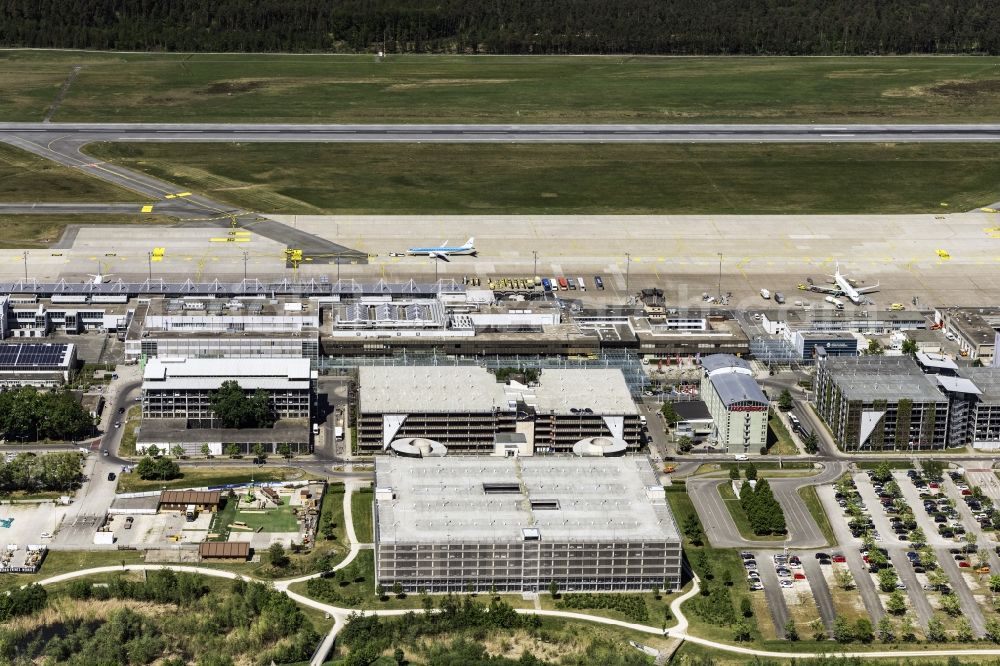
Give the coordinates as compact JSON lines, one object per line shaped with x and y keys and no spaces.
{"x":780,"y":441}
{"x":816,"y":510}
{"x":196,"y":477}
{"x":133,"y":418}
{"x":27,"y":178}
{"x":304,"y":88}
{"x":361,"y":513}
{"x":740,"y":516}
{"x":36,"y":231}
{"x":279,"y":519}
{"x":723,"y":561}
{"x":574,"y":179}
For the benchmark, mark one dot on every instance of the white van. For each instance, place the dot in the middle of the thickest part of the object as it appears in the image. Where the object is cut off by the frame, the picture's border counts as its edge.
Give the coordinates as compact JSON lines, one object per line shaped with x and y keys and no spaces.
{"x":741,"y":457}
{"x":583,"y":285}
{"x":765,"y":294}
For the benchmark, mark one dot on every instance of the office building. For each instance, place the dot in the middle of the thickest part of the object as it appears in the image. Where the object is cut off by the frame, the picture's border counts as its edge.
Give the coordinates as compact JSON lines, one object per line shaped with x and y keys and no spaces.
{"x":36,"y":364}
{"x":518,"y":524}
{"x":738,"y":407}
{"x":182,"y":388}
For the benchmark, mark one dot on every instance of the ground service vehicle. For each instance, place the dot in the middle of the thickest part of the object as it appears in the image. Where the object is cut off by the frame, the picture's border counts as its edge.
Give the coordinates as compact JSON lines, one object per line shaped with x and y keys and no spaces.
{"x":779,"y":298}
{"x":583,"y":285}
{"x":765,"y":294}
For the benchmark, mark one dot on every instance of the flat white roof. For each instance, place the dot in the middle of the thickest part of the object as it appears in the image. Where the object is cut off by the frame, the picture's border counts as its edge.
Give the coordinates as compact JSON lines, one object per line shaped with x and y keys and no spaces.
{"x":210,"y":373}
{"x":442,"y":500}
{"x":602,"y":390}
{"x":429,"y":389}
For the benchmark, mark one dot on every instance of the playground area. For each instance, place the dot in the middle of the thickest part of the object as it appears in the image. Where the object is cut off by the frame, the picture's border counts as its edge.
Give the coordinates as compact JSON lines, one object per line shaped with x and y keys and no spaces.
{"x":265,"y":514}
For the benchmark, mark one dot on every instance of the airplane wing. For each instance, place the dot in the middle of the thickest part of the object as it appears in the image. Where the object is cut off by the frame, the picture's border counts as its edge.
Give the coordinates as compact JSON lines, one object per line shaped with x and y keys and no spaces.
{"x":868,"y":290}
{"x":440,"y":255}
{"x":836,"y":291}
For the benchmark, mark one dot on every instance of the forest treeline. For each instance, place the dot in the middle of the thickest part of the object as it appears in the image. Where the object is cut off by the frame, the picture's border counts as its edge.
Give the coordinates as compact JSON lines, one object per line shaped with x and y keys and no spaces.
{"x":751,"y":27}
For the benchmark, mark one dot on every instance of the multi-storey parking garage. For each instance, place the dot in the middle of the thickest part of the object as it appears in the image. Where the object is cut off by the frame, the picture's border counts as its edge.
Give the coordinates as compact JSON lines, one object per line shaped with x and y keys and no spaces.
{"x":518,"y":524}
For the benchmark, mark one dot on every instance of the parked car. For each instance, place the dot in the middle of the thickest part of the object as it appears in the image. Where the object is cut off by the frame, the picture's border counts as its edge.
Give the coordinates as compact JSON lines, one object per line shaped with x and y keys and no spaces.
{"x":754,"y":587}
{"x":839,"y":559}
{"x":822,"y":556}
{"x":786,"y":583}
{"x":965,"y":564}
{"x":111,"y":476}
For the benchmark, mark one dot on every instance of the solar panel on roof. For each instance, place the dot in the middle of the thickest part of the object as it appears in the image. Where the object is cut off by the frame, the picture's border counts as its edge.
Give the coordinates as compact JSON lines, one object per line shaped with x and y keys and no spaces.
{"x":32,"y":355}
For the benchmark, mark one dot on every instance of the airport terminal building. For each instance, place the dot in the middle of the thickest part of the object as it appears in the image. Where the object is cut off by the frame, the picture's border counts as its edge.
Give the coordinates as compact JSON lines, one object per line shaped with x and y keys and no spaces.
{"x":517,"y":524}
{"x":467,"y":410}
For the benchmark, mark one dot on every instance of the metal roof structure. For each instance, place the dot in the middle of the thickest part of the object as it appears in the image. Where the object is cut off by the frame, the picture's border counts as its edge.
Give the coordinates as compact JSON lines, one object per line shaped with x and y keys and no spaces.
{"x":714,"y":362}
{"x":957,"y":384}
{"x":986,"y":380}
{"x":737,"y":387}
{"x":203,"y":497}
{"x":228,"y":550}
{"x":484,"y":499}
{"x":319,"y":286}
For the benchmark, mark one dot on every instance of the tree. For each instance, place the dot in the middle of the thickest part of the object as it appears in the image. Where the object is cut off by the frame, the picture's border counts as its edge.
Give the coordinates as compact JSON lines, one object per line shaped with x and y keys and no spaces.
{"x":842,"y":631}
{"x":909,"y":347}
{"x":811,"y":443}
{"x":963,"y":631}
{"x":380,"y":592}
{"x":818,"y":630}
{"x":692,"y":529}
{"x":259,"y":455}
{"x":950,"y":605}
{"x":177,"y":451}
{"x":934,"y":469}
{"x":741,"y":631}
{"x":162,"y":469}
{"x":684,"y":444}
{"x":277,"y":555}
{"x":907,"y":632}
{"x":863,"y":632}
{"x":206,"y":450}
{"x":994,"y":583}
{"x":746,"y":607}
{"x":874,"y":348}
{"x":896,"y":603}
{"x":992,"y":630}
{"x":791,"y":632}
{"x":153,"y":451}
{"x":844,"y":579}
{"x":553,"y":589}
{"x":785,"y":400}
{"x":882,"y":473}
{"x":935,"y":630}
{"x":887,"y":577}
{"x":285,"y":450}
{"x":734,"y":473}
{"x":885,"y":630}
{"x":235,"y":409}
{"x":751,"y":472}
{"x":397,"y":589}
{"x":670,"y":414}
{"x":232,"y":450}
{"x":917,"y":536}
{"x":399,"y":657}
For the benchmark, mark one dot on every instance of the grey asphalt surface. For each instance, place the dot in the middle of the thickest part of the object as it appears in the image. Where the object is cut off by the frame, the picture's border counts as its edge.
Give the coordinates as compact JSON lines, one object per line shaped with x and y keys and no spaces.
{"x":970,"y":609}
{"x":847,"y":546}
{"x":520,"y":133}
{"x":820,"y":590}
{"x":918,"y":598}
{"x":772,"y":590}
{"x":802,"y":529}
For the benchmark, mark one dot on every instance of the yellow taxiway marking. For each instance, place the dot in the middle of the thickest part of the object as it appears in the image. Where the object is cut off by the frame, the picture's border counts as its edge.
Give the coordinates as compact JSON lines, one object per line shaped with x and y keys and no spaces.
{"x":147,"y":209}
{"x":170,"y":196}
{"x":183,"y":194}
{"x":229,"y":240}
{"x":156,"y":258}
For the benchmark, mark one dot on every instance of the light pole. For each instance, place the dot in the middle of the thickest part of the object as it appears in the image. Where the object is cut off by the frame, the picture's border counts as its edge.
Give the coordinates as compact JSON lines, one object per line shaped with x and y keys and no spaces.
{"x":245,"y":256}
{"x":628,"y":266}
{"x":534,"y":253}
{"x":149,"y":265}
{"x":25,"y":256}
{"x":720,"y":277}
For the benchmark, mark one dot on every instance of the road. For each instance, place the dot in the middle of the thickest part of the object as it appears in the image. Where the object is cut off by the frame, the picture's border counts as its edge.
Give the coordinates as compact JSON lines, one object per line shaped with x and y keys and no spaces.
{"x":802,"y":529}
{"x":970,"y":608}
{"x":820,"y":590}
{"x":512,"y":133}
{"x":772,"y":590}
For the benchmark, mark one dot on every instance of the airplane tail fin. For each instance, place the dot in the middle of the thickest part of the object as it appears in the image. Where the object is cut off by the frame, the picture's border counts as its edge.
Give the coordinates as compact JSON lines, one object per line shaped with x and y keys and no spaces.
{"x":470,"y":243}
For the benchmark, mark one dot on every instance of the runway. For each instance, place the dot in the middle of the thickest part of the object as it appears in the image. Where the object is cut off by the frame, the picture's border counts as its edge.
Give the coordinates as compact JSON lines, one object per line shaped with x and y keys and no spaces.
{"x":83,"y":133}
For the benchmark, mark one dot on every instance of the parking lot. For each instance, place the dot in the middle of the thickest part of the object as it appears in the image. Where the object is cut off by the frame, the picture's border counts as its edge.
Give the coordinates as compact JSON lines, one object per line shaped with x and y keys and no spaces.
{"x":159,"y":530}
{"x":32,"y":523}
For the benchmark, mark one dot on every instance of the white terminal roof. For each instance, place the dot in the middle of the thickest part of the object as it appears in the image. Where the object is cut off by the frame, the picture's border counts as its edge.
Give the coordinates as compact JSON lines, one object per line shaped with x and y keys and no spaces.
{"x":210,"y":373}
{"x":445,"y":500}
{"x":429,"y":389}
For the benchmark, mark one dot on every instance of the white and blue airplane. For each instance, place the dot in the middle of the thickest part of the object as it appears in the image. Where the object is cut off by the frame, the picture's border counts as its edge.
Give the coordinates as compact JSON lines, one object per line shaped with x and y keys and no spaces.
{"x":444,"y":250}
{"x":845,"y":287}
